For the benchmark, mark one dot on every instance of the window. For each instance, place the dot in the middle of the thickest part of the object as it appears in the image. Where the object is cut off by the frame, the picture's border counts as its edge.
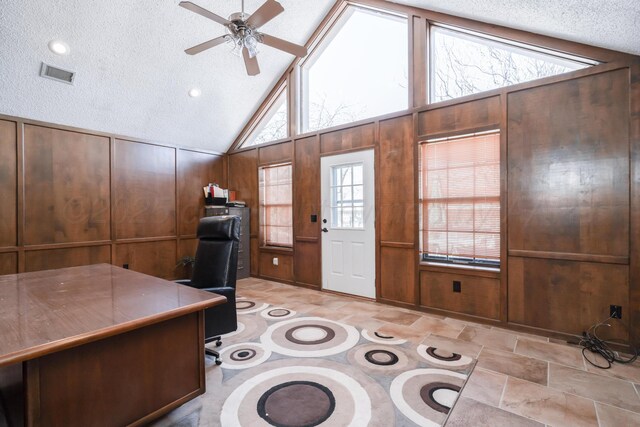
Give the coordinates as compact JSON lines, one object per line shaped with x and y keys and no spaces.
{"x":463,"y":63}
{"x":359,"y":70}
{"x":460,"y":199}
{"x":276,"y":213}
{"x":274,"y":125}
{"x":347,"y":196}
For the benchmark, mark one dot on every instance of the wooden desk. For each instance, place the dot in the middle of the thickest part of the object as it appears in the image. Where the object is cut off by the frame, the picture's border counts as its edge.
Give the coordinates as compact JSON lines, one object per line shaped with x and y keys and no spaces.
{"x":99,"y":345}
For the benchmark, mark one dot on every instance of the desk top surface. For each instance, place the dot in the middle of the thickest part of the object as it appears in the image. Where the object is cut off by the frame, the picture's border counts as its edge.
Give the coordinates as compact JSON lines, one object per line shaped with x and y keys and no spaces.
{"x":47,"y":311}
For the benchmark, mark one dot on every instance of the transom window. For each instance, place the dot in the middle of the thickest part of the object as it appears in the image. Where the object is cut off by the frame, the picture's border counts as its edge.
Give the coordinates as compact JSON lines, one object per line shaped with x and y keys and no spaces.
{"x":359,"y":70}
{"x":276,"y":213}
{"x":347,"y":196}
{"x":463,"y":63}
{"x":460,"y":199}
{"x":274,"y":125}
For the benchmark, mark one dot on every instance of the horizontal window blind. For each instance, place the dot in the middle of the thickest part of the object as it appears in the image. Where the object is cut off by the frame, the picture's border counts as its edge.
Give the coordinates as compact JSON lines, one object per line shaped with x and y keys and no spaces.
{"x":460,"y":199}
{"x":276,"y":213}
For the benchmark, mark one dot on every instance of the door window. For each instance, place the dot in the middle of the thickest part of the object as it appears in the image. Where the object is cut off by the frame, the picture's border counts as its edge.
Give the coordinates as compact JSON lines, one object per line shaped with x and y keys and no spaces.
{"x":347,"y":196}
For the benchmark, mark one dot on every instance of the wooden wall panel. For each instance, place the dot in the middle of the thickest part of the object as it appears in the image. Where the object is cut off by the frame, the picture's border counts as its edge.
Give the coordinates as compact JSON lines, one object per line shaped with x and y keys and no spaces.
{"x":396,"y":181}
{"x":276,"y":153}
{"x":186,"y":247}
{"x":348,"y":139}
{"x":243,"y":178}
{"x":568,"y":166}
{"x":306,"y":188}
{"x":195,"y":170}
{"x":282,"y":271}
{"x":479,"y":296}
{"x":567,"y":296}
{"x":144,"y":190}
{"x":468,"y":116}
{"x":307,"y":265}
{"x":66,"y":193}
{"x":397,"y":274}
{"x":153,"y":258}
{"x":68,"y":257}
{"x":8,"y":263}
{"x":8,"y":184}
{"x":255,"y":254}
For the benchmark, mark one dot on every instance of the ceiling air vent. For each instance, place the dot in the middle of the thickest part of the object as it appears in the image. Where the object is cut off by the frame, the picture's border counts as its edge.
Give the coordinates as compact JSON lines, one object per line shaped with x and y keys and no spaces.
{"x":58,"y":74}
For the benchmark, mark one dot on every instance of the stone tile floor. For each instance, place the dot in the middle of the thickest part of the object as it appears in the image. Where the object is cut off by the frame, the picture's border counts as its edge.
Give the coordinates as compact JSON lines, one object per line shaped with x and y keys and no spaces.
{"x":519,"y":380}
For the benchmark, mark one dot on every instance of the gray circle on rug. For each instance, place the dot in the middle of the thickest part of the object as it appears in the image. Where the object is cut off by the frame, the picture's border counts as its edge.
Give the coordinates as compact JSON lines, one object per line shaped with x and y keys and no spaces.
{"x":314,"y":404}
{"x":310,"y":334}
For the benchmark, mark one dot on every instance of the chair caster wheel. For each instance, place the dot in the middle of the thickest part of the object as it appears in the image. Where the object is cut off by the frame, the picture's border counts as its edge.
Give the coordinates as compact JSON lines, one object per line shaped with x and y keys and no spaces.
{"x":218,"y":343}
{"x":218,"y":362}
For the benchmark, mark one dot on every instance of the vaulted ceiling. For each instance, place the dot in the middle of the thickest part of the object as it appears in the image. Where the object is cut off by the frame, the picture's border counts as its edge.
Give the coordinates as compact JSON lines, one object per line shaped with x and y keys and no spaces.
{"x":133,"y":76}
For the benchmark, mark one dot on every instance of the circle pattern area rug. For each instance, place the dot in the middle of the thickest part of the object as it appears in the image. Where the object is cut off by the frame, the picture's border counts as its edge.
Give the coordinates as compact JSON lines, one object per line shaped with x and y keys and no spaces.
{"x":286,"y":369}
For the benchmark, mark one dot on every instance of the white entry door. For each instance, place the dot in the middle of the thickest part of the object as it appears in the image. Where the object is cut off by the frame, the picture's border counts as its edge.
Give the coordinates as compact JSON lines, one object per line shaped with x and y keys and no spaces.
{"x":348,"y":223}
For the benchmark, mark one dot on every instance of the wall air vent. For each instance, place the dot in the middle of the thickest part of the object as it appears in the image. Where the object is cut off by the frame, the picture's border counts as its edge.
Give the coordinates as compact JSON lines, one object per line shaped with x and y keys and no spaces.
{"x":57,"y":74}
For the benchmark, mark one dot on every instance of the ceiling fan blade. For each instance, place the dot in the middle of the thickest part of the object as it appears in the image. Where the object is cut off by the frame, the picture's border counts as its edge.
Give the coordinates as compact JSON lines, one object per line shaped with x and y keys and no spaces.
{"x":265,"y":13}
{"x":253,"y":69}
{"x":206,"y":45}
{"x":204,"y":12}
{"x":289,"y":47}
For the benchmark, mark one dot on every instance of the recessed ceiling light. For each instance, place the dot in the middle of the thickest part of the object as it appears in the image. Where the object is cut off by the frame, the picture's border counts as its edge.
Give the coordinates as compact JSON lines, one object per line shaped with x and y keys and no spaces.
{"x":195,"y":92}
{"x":59,"y":47}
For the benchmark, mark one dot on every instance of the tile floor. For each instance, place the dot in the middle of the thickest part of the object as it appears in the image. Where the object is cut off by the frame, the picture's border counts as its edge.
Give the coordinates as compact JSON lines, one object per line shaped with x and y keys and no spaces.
{"x":519,"y":380}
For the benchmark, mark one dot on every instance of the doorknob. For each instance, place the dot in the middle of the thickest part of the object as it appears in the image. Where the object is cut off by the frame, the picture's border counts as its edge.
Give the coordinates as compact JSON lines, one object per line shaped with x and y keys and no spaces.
{"x":324,"y":230}
{"x":324,"y":221}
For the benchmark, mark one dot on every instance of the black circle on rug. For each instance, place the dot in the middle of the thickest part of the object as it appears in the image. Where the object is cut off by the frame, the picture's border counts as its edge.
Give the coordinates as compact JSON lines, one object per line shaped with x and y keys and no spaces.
{"x":279,"y":312}
{"x":381,"y":357}
{"x":329,"y":334}
{"x":296,"y":404}
{"x":243,"y":354}
{"x":244,"y":305}
{"x":384,"y":337}
{"x":433,"y":352}
{"x":427,"y":394}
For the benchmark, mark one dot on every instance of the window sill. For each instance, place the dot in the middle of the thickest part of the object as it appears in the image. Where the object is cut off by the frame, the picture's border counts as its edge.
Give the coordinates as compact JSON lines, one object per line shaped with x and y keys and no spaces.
{"x":276,"y":249}
{"x":468,"y":270}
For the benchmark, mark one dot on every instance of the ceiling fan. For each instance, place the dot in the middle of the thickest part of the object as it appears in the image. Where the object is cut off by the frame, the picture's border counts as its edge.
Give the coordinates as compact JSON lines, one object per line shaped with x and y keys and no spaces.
{"x":242,"y":32}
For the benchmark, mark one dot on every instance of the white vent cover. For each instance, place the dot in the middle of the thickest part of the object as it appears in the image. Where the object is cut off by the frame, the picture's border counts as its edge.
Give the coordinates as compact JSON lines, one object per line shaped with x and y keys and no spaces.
{"x":57,"y":74}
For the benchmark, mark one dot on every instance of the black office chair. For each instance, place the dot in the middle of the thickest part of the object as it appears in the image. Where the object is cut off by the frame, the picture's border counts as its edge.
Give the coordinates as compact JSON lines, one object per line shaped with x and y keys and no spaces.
{"x":215,"y":271}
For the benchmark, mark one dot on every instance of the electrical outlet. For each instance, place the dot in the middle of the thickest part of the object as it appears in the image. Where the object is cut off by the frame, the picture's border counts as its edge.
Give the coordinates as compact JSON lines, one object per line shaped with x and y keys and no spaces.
{"x":615,"y":311}
{"x":457,"y":286}
{"x":125,"y":266}
{"x":275,"y":261}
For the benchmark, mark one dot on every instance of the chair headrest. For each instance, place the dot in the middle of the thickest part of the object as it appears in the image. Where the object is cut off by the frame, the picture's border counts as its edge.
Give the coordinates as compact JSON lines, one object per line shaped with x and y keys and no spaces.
{"x":225,"y":227}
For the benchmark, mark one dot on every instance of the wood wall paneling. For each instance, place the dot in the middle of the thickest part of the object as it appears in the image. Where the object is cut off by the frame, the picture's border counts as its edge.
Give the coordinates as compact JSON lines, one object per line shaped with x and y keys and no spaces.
{"x":152,"y":258}
{"x":397,"y":274}
{"x":460,"y":118}
{"x":66,"y":257}
{"x":8,"y":184}
{"x":193,"y":170}
{"x":567,"y":296}
{"x":307,"y":265}
{"x":145,"y":190}
{"x":276,"y":153}
{"x":306,"y":200}
{"x":568,"y":163}
{"x":66,"y":186}
{"x":282,"y":271}
{"x":186,"y":247}
{"x":8,"y":263}
{"x":479,"y":296}
{"x":243,"y":178}
{"x":396,"y":177}
{"x":634,"y":235}
{"x":255,"y":254}
{"x":348,"y":139}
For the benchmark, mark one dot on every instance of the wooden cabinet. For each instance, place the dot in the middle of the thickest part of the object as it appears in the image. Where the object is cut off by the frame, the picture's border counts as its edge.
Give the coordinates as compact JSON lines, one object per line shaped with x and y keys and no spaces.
{"x":244,"y":249}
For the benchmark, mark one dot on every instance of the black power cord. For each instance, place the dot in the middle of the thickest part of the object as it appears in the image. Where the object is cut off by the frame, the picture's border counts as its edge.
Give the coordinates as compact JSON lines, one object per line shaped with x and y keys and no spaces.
{"x":591,"y":342}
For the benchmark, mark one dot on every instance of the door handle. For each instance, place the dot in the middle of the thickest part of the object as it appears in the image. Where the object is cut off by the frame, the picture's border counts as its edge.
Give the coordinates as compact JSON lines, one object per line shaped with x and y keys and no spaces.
{"x":324,"y":230}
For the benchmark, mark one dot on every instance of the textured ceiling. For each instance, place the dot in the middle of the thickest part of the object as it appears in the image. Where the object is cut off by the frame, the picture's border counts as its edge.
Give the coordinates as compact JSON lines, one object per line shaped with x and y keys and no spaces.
{"x":133,"y":76}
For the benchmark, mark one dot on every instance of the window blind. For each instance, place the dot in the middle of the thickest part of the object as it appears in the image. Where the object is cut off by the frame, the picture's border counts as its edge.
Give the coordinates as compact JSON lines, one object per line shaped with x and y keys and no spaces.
{"x":460,"y":199}
{"x":276,"y":211}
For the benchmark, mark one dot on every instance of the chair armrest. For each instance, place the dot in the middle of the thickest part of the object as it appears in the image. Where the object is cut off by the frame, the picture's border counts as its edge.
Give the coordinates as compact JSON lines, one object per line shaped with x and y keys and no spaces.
{"x":183,"y":282}
{"x":222,"y":291}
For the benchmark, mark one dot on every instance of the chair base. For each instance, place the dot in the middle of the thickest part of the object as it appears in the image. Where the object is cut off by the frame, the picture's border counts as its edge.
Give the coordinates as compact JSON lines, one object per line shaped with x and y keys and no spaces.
{"x":215,"y":355}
